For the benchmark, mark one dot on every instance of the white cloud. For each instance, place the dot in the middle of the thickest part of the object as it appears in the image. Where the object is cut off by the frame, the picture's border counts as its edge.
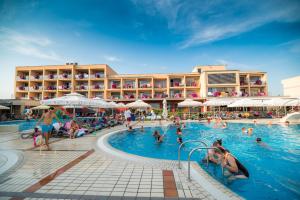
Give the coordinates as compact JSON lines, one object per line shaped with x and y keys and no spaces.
{"x":29,"y":45}
{"x":293,"y":46}
{"x":207,"y":21}
{"x":111,"y":58}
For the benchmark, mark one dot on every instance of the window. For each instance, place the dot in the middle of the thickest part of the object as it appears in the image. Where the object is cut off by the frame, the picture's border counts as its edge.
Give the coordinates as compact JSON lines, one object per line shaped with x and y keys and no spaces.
{"x":228,"y":78}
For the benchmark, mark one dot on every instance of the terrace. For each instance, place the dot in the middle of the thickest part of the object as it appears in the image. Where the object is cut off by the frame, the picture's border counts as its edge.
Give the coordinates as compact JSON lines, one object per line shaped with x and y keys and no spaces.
{"x":129,"y":84}
{"x":176,"y":82}
{"x":114,"y":84}
{"x":145,"y":83}
{"x":22,"y":76}
{"x":221,"y":92}
{"x":36,"y":76}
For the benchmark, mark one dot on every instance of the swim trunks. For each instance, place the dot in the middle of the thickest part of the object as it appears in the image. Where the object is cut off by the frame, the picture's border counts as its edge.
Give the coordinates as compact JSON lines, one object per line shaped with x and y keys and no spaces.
{"x":46,"y":128}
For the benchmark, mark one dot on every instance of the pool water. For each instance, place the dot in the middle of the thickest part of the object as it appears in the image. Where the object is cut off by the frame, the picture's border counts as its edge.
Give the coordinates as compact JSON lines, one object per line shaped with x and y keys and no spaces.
{"x":23,"y":124}
{"x":274,"y":168}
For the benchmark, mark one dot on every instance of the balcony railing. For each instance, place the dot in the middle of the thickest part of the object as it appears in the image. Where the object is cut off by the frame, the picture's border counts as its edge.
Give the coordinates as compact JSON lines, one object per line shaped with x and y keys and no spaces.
{"x":160,"y":95}
{"x":145,"y":85}
{"x":51,"y":77}
{"x":36,"y":77}
{"x":129,"y":96}
{"x":193,"y":95}
{"x":65,"y":76}
{"x":82,"y":87}
{"x":64,"y":87}
{"x":145,"y":96}
{"x":115,"y":97}
{"x":97,"y":75}
{"x":176,"y":84}
{"x":22,"y":78}
{"x":242,"y":83}
{"x":50,"y":87}
{"x":36,"y":88}
{"x":177,"y":95}
{"x":22,"y":88}
{"x":129,"y":86}
{"x":115,"y":86}
{"x":191,"y":84}
{"x":97,"y":87}
{"x":81,"y":76}
{"x":222,"y":94}
{"x":257,"y":83}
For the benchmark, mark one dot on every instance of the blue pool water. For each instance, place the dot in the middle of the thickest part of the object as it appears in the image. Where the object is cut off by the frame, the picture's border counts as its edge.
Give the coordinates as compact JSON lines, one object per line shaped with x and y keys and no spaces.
{"x":274,"y":169}
{"x":23,"y":124}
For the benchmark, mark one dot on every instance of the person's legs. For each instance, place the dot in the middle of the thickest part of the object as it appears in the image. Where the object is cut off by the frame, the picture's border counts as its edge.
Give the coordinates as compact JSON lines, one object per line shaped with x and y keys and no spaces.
{"x":47,"y":140}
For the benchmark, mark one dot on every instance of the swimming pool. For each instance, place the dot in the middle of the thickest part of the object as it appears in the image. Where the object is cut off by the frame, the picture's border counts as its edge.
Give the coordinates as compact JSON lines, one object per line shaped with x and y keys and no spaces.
{"x":23,"y":124}
{"x":274,"y":169}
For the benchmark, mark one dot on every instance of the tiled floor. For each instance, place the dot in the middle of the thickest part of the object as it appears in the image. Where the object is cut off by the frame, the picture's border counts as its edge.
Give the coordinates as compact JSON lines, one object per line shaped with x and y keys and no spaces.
{"x":97,"y":175}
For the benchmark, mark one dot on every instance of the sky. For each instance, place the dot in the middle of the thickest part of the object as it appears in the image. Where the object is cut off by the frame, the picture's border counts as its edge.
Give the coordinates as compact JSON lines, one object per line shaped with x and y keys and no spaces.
{"x":150,"y":36}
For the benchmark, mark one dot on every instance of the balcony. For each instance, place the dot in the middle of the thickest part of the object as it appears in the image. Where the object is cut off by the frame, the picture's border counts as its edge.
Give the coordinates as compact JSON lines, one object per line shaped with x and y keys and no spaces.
{"x":160,"y":95}
{"x":51,"y":77}
{"x":64,"y":87}
{"x":82,"y":87}
{"x":22,"y":88}
{"x":97,"y":87}
{"x":115,"y":84}
{"x":81,"y":76}
{"x":145,"y":84}
{"x":22,"y":78}
{"x":192,"y":95}
{"x":65,"y":76}
{"x":257,"y":83}
{"x":50,"y":87}
{"x":97,"y":75}
{"x":36,"y":88}
{"x":176,"y":82}
{"x":128,"y":84}
{"x":176,"y":95}
{"x":192,"y":82}
{"x":244,"y":83}
{"x":222,"y":92}
{"x":36,"y":77}
{"x":145,"y":95}
{"x":115,"y":97}
{"x":160,"y":84}
{"x":129,"y":96}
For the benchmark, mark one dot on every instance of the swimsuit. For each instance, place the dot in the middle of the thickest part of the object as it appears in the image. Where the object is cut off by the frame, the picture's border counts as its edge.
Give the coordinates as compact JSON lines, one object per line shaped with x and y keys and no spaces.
{"x":242,"y":170}
{"x":46,"y":128}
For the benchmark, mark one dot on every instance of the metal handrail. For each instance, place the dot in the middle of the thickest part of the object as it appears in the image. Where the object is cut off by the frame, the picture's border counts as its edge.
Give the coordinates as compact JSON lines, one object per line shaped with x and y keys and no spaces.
{"x":189,"y":158}
{"x":180,"y":146}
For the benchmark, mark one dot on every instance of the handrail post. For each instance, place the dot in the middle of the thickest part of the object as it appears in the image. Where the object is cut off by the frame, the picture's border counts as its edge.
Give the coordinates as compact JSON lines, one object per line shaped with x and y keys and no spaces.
{"x":181,"y":145}
{"x":189,"y":159}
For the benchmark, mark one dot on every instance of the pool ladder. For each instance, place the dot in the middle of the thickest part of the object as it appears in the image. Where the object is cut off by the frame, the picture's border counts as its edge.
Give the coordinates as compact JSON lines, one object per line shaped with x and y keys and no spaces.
{"x":203,"y":146}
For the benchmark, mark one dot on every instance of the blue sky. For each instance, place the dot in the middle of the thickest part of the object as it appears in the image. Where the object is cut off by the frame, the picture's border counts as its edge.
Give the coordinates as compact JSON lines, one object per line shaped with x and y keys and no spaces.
{"x":135,"y":36}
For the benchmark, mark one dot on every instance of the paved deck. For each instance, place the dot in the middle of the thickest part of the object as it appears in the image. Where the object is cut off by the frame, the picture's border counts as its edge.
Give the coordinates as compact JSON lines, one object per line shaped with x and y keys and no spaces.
{"x":78,"y":169}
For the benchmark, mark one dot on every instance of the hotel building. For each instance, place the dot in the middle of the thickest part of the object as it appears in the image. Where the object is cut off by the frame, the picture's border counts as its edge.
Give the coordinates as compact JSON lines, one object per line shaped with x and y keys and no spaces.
{"x":99,"y":80}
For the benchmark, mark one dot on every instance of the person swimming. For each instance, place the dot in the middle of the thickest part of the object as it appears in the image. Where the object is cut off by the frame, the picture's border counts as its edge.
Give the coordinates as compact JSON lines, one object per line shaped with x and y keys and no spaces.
{"x":142,"y":129}
{"x":158,"y":137}
{"x":244,"y":130}
{"x":224,"y":125}
{"x":261,"y":143}
{"x":232,"y":165}
{"x":130,"y":129}
{"x":179,"y":136}
{"x":250,"y":131}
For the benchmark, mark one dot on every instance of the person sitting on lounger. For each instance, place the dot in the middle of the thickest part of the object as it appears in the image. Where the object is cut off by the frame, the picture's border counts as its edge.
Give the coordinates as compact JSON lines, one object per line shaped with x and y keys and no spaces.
{"x":73,"y":129}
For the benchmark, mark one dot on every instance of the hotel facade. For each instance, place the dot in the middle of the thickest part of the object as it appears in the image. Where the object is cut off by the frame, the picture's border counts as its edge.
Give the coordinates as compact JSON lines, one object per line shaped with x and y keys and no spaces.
{"x":99,"y":80}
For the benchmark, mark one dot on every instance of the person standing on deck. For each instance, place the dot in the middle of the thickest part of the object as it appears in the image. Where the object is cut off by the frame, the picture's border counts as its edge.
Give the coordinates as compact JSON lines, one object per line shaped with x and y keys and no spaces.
{"x":47,"y":126}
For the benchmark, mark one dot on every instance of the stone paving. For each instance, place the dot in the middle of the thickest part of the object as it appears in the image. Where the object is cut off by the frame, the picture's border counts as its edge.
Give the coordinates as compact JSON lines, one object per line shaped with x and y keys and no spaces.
{"x":97,"y":176}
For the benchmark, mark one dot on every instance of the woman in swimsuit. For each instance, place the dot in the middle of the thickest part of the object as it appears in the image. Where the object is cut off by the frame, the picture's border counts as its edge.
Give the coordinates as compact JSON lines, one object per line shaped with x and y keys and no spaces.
{"x":232,"y":165}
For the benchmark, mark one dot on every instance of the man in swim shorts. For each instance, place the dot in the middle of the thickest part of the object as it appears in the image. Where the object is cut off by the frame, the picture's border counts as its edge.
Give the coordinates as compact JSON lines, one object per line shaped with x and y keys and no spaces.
{"x":47,"y":119}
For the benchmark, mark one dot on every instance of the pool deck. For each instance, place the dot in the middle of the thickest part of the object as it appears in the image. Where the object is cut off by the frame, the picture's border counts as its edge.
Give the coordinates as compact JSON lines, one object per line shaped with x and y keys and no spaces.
{"x":79,"y":169}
